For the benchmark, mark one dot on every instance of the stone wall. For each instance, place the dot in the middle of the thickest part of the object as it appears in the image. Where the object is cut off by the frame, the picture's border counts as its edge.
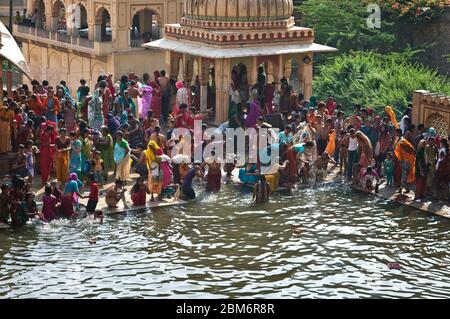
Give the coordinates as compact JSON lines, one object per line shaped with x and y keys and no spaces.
{"x":433,"y":110}
{"x":51,"y":64}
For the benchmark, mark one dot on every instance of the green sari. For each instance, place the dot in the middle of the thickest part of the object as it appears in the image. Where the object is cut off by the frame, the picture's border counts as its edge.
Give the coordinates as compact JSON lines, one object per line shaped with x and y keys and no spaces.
{"x":106,"y":148}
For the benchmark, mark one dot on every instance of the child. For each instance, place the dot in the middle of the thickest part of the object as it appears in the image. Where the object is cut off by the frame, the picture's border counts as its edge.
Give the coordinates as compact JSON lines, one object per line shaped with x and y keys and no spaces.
{"x":93,"y":194}
{"x":4,"y":204}
{"x":389,"y":169}
{"x":98,"y":167}
{"x":49,"y":203}
{"x":29,"y":161}
{"x":262,"y":191}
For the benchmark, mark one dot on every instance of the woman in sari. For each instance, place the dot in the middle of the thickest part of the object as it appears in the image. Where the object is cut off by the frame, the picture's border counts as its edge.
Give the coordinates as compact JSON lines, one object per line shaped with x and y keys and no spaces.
{"x":86,"y":152}
{"x":95,"y":112}
{"x":62,"y":146}
{"x":365,"y":150}
{"x":71,"y":195}
{"x":145,"y":102}
{"x":181,"y":97}
{"x":156,"y":95}
{"x":155,"y":178}
{"x":269,"y":92}
{"x":391,"y":114}
{"x":422,"y":170}
{"x":75,"y":156}
{"x":51,"y":106}
{"x":249,"y":174}
{"x":254,"y":111}
{"x":122,"y":157}
{"x":45,"y":157}
{"x":6,"y":121}
{"x":292,"y":166}
{"x":406,"y":155}
{"x":105,"y":145}
{"x":443,"y":170}
{"x":35,"y":104}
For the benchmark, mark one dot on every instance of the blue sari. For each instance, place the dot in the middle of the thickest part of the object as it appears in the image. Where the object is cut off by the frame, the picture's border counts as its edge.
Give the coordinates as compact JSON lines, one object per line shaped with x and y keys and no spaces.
{"x":75,"y":159}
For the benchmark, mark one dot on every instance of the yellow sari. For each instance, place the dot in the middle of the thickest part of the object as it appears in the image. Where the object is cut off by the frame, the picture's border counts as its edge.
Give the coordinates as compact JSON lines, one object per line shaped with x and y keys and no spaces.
{"x":5,"y":129}
{"x":154,"y":181}
{"x":390,"y":111}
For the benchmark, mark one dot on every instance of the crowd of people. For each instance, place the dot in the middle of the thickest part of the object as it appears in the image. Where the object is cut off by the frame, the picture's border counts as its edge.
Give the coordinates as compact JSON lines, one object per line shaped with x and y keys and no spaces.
{"x":118,"y":128}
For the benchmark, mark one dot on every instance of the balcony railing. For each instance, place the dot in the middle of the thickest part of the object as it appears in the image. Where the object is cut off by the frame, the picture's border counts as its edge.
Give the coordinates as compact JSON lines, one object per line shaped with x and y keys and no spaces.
{"x":73,"y":42}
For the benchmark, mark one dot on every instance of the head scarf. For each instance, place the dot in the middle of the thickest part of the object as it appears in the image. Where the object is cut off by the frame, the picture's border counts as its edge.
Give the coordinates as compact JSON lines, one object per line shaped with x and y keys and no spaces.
{"x":408,"y":156}
{"x":391,"y":114}
{"x":179,"y":85}
{"x":150,"y":154}
{"x":157,"y":75}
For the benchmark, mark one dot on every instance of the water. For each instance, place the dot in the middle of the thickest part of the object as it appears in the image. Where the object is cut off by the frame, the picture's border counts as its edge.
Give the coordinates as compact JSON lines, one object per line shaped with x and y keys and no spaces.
{"x":224,"y":246}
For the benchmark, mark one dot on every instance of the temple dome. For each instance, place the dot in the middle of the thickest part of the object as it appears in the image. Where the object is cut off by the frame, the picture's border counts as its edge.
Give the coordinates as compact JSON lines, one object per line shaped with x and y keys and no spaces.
{"x":239,"y":10}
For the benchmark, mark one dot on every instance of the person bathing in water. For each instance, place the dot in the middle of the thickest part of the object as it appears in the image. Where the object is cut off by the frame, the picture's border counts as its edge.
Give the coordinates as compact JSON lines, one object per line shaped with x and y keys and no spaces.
{"x":262,"y":191}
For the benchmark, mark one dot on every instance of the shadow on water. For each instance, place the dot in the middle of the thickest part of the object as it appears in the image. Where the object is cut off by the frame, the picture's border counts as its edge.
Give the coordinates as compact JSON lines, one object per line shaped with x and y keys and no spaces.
{"x":320,"y":241}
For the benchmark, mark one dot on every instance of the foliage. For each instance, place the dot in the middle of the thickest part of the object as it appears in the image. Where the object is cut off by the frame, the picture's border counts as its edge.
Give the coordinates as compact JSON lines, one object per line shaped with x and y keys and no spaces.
{"x":343,"y":24}
{"x":417,"y":11}
{"x":376,"y":80}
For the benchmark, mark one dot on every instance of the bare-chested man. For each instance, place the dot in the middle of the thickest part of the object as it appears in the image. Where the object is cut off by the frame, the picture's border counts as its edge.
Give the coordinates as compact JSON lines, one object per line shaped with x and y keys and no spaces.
{"x":165,"y":94}
{"x":322,"y":131}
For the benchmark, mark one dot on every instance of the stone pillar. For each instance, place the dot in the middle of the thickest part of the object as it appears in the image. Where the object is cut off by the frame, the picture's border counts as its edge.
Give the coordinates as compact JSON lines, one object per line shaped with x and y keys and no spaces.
{"x":223,"y":74}
{"x":9,"y":81}
{"x":252,"y":72}
{"x":203,"y":66}
{"x":301,"y":73}
{"x":418,"y":109}
{"x":54,"y":21}
{"x":97,"y":32}
{"x":308,"y":77}
{"x":278,"y":72}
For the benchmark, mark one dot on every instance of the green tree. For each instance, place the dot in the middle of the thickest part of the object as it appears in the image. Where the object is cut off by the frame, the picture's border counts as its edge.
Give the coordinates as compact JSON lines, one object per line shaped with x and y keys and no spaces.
{"x":343,"y":24}
{"x":375,"y":80}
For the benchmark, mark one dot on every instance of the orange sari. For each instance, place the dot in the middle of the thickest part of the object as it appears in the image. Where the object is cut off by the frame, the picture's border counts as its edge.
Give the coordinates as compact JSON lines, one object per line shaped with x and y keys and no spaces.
{"x":404,"y":151}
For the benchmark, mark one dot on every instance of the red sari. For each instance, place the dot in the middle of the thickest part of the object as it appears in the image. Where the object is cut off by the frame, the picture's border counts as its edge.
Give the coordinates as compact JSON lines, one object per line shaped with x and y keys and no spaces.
{"x":106,"y":97}
{"x":292,"y":166}
{"x":156,"y":99}
{"x":46,"y":157}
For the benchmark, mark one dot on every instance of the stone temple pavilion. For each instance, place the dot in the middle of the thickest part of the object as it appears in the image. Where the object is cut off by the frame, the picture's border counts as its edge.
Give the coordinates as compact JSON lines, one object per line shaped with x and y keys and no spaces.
{"x":215,"y":36}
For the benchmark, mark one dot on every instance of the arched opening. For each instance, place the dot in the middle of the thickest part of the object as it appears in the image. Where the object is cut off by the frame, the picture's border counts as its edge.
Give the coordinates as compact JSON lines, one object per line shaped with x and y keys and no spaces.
{"x":103,"y":32}
{"x":240,"y":79}
{"x":145,"y":27}
{"x":38,"y":18}
{"x":265,"y":83}
{"x":59,"y":23}
{"x":82,"y":23}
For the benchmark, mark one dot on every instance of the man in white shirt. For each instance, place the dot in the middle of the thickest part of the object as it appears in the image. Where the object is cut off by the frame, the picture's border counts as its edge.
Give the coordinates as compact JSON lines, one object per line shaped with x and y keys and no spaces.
{"x":352,"y":148}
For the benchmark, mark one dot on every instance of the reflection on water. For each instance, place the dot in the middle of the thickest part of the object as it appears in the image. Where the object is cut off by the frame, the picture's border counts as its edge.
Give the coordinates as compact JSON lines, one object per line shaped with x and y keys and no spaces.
{"x":224,"y":246}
